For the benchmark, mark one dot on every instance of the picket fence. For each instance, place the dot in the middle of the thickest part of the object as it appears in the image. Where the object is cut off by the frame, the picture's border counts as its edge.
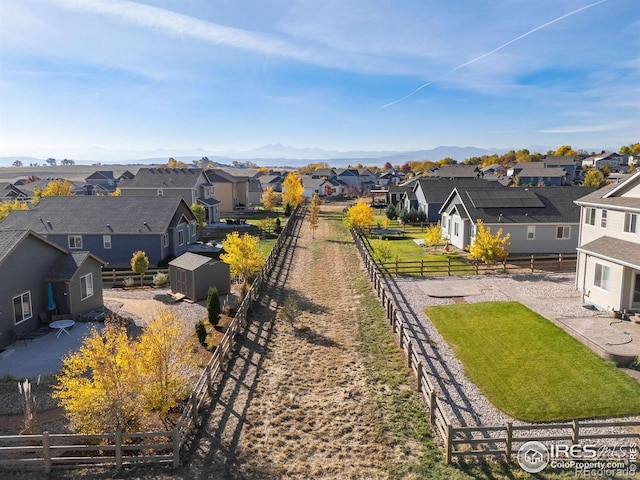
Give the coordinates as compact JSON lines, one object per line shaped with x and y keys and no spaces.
{"x":484,"y":441}
{"x":117,"y":449}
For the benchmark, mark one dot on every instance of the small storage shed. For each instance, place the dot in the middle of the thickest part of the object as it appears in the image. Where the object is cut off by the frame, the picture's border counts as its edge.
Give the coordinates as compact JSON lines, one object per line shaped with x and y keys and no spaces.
{"x":191,"y":275}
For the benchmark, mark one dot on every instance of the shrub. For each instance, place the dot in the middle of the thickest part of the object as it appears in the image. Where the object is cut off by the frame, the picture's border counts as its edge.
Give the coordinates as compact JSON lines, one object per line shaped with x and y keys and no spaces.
{"x":128,"y":281}
{"x":213,"y":306}
{"x":160,"y":279}
{"x":391,"y":212}
{"x":201,"y":333}
{"x":287,"y":210}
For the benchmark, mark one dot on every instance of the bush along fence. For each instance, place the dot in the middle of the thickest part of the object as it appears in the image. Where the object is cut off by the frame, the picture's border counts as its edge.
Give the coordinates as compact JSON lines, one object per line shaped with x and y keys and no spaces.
{"x":483,"y":441}
{"x":117,"y":449}
{"x":118,"y":278}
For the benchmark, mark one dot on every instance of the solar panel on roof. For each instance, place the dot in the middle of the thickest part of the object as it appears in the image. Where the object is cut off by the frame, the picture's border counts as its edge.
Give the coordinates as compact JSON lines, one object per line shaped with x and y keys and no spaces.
{"x":507,"y":198}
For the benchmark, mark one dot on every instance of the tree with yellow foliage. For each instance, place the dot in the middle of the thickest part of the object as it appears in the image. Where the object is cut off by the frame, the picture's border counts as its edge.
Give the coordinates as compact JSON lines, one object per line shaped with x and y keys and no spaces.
{"x":99,"y":386}
{"x":359,"y":215}
{"x":292,"y":190}
{"x":487,"y":247}
{"x":165,"y":361}
{"x":565,"y":151}
{"x":140,"y":264}
{"x":269,"y":199}
{"x":9,"y":206}
{"x":173,"y":163}
{"x":434,"y":236}
{"x":116,"y":193}
{"x":242,"y":254}
{"x":314,"y":214}
{"x":56,"y":188}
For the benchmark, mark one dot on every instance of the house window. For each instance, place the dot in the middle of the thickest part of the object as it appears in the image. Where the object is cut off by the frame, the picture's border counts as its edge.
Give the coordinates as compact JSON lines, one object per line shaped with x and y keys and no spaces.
{"x":180,"y":237}
{"x":563,"y":232}
{"x":601,"y":277}
{"x":603,"y":219}
{"x":160,"y":192}
{"x":75,"y":241}
{"x":193,"y":229}
{"x":630,"y":222}
{"x":456,"y":228}
{"x":86,"y":286}
{"x":106,"y":242}
{"x":22,"y":307}
{"x":590,"y":216}
{"x":531,"y":232}
{"x":165,"y":240}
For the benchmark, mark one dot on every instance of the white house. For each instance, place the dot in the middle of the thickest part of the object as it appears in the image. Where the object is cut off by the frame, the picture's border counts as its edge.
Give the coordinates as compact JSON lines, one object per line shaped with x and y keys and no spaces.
{"x":608,"y":270}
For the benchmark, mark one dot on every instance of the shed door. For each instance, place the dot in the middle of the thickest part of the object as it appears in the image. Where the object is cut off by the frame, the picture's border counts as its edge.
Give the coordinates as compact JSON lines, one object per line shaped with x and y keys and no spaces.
{"x":181,"y":281}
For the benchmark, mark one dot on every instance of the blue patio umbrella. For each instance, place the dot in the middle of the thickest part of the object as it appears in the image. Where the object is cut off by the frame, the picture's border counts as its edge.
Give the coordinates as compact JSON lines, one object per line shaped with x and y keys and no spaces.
{"x":51,"y":304}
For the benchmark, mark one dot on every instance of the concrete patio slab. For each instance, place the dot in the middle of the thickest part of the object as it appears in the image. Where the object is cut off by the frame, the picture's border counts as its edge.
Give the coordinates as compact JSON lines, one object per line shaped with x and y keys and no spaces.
{"x":43,"y":355}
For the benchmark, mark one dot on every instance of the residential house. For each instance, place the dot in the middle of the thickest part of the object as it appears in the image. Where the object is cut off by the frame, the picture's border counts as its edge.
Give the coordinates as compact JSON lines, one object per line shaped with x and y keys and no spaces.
{"x":320,"y":186}
{"x":616,"y":161}
{"x":9,"y":191}
{"x":536,"y":174}
{"x":28,"y":263}
{"x":255,"y":192}
{"x":273,"y":181}
{"x":190,"y":184}
{"x":431,"y":193}
{"x":539,"y":220}
{"x":608,"y":270}
{"x":572,"y":165}
{"x":456,"y":171}
{"x":112,"y":228}
{"x":231,"y":191}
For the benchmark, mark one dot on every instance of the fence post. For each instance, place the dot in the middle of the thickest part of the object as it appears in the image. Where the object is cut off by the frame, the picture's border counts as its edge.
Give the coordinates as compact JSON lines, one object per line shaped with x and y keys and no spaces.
{"x":209,"y":386}
{"x":432,"y":408}
{"x":504,"y":265}
{"x":575,"y":432}
{"x":422,"y":267}
{"x":448,"y":265}
{"x":559,"y":262}
{"x":477,"y":264}
{"x":396,"y":267}
{"x":532,"y":262}
{"x":409,"y":352}
{"x":118,"y":446}
{"x":508,"y":441}
{"x":176,"y":448}
{"x":449,"y":445}
{"x":194,"y":408}
{"x":46,"y":452}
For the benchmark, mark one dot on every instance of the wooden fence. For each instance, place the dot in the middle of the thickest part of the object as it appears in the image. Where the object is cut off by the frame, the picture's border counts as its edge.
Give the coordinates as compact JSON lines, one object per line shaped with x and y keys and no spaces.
{"x":461,"y":266}
{"x":63,"y":450}
{"x":479,"y":441}
{"x":115,"y":278}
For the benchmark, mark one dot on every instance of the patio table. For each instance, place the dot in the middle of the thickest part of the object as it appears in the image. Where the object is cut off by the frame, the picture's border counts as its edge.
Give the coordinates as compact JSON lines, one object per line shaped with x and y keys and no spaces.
{"x":61,"y":326}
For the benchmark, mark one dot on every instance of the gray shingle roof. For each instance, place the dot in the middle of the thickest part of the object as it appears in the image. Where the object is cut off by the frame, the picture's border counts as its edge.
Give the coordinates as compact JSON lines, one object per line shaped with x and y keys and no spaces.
{"x":620,"y":251}
{"x":557,"y":206}
{"x":190,"y":261}
{"x":96,"y":215}
{"x":67,"y":266}
{"x":456,"y":171}
{"x":9,"y":239}
{"x":437,"y":190}
{"x":627,"y":202}
{"x":164,"y":178}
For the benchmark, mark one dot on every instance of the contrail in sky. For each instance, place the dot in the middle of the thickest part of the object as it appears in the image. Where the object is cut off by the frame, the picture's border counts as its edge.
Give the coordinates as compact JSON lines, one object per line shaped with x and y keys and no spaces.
{"x":544,"y":25}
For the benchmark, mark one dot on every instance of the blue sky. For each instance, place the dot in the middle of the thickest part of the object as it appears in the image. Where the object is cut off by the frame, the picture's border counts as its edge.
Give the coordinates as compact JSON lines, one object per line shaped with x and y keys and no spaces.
{"x":113,"y":79}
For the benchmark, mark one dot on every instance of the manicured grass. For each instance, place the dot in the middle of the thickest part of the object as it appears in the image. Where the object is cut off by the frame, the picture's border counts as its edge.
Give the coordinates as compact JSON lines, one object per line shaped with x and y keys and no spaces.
{"x":531,"y":369}
{"x":266,"y":246}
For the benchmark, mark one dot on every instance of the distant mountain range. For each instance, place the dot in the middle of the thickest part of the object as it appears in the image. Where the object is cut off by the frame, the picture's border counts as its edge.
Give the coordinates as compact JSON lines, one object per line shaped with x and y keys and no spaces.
{"x":282,"y":155}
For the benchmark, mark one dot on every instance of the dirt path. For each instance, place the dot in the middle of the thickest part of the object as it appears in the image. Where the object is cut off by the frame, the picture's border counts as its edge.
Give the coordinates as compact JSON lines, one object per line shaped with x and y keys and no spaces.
{"x":297,"y":403}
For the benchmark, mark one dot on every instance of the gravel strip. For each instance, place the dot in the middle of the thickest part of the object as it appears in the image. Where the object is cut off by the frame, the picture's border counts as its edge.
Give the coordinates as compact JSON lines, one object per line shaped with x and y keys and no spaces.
{"x":552,"y":295}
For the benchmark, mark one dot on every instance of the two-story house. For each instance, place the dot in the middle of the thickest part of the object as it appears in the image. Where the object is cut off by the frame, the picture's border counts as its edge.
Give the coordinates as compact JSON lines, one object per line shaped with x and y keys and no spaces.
{"x":231,"y":191}
{"x":190,"y":184}
{"x":608,"y":270}
{"x":32,"y":268}
{"x":112,"y":228}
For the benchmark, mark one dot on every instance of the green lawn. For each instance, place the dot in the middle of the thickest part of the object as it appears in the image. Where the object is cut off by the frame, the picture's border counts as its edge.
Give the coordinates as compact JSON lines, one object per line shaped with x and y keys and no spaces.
{"x":531,"y":369}
{"x":266,"y":246}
